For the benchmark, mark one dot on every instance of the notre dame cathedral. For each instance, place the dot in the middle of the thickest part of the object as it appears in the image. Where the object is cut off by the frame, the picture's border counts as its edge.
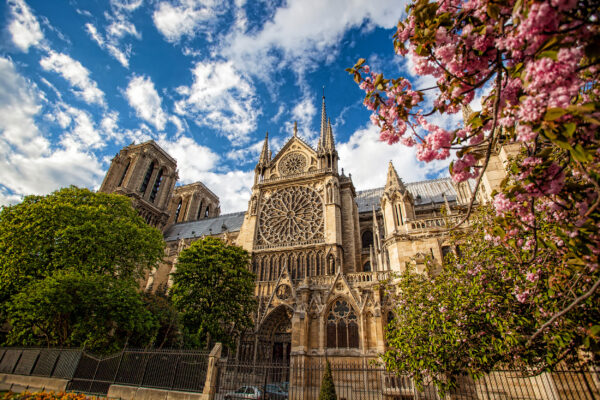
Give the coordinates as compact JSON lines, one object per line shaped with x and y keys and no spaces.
{"x":319,"y":248}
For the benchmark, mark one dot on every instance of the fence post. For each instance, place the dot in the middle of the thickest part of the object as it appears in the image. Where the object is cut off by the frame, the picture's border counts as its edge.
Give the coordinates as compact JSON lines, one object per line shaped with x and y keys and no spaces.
{"x":210,"y":384}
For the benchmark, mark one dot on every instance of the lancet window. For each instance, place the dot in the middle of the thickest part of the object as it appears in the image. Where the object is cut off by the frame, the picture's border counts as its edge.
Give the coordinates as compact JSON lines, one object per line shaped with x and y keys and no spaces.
{"x":300,"y":264}
{"x":147,"y":178}
{"x":178,"y":211}
{"x":124,"y":173}
{"x":367,"y":239}
{"x":199,"y":214}
{"x":342,"y":326}
{"x":156,"y":186}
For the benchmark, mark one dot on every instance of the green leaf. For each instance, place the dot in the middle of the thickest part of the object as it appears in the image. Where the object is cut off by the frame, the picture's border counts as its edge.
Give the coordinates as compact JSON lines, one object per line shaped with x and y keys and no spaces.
{"x":553,"y":54}
{"x":493,"y":11}
{"x":554,"y":113}
{"x":580,"y":154}
{"x":569,"y":129}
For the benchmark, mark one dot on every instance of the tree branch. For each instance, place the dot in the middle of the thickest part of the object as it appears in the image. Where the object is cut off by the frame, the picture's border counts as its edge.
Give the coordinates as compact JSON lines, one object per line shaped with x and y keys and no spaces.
{"x":488,"y":152}
{"x":564,"y":311}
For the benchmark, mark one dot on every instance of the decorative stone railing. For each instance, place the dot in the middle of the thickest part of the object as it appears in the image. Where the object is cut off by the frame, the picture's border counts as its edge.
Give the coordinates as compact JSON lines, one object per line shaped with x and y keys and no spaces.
{"x":433,"y":223}
{"x":295,"y":244}
{"x":297,"y":175}
{"x":361,"y":277}
{"x":353,"y":278}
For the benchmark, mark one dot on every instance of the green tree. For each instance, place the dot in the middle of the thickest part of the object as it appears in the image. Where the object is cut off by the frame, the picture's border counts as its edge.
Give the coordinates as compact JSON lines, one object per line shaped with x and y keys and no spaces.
{"x":485,"y":307}
{"x":327,"y":391}
{"x":73,"y":309}
{"x":76,"y":229}
{"x":213,"y":290}
{"x":168,"y":332}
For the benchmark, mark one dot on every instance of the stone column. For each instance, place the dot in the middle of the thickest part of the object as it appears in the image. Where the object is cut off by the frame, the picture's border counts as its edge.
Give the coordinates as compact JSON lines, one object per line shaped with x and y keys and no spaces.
{"x":163,"y":192}
{"x":210,"y":385}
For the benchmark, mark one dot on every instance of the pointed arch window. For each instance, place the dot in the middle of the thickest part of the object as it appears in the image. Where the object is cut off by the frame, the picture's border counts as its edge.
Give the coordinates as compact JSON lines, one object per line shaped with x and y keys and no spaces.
{"x":178,"y":211}
{"x":156,"y":185}
{"x":206,"y":212}
{"x":124,"y":173}
{"x":367,"y":267}
{"x":147,"y":178}
{"x":342,"y":326}
{"x":367,"y":239}
{"x":199,"y":214}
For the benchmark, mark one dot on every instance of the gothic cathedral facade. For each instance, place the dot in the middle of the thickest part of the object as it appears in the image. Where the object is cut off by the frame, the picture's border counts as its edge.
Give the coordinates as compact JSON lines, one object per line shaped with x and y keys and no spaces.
{"x":319,"y":248}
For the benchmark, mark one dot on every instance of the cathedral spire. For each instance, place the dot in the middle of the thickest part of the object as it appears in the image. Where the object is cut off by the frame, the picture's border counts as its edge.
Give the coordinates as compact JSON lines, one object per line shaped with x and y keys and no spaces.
{"x":393,"y":180}
{"x":329,"y":142}
{"x":295,"y":128}
{"x":323,"y":123}
{"x":264,"y":154}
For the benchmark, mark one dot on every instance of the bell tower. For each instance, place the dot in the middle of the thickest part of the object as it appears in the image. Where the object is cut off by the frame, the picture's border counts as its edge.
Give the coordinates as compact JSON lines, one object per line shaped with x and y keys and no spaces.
{"x":147,"y":174}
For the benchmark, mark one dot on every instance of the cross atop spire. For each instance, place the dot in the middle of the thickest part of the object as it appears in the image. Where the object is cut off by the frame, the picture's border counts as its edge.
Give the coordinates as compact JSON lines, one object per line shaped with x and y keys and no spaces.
{"x":295,"y":128}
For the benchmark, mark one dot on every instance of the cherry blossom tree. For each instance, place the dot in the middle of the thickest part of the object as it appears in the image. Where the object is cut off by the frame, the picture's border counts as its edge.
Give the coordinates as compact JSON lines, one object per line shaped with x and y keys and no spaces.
{"x":536,"y":65}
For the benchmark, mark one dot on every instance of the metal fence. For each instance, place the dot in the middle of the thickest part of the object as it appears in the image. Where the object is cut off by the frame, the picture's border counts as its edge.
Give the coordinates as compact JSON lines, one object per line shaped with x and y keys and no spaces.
{"x":362,"y":381}
{"x":55,"y":363}
{"x":183,"y":370}
{"x":186,"y":370}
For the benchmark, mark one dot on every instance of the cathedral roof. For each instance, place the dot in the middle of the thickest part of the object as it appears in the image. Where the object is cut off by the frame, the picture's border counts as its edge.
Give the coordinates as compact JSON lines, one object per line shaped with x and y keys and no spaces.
{"x":424,"y":192}
{"x":209,"y":226}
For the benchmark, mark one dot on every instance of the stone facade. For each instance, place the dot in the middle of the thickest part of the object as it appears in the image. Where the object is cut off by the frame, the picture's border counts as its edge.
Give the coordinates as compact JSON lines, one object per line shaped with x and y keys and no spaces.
{"x":319,"y":248}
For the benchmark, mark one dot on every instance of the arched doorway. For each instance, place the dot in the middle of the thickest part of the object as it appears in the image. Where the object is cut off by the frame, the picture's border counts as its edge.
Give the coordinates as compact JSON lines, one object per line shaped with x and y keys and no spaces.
{"x":275,"y":336}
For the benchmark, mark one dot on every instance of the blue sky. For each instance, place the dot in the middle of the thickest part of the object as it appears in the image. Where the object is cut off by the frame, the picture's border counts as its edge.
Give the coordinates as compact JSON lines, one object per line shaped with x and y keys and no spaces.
{"x":80,"y":79}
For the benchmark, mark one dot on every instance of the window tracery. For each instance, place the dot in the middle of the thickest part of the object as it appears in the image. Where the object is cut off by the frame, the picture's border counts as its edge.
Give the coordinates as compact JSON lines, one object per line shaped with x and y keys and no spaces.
{"x":342,"y":326}
{"x":290,"y":216}
{"x":292,"y":163}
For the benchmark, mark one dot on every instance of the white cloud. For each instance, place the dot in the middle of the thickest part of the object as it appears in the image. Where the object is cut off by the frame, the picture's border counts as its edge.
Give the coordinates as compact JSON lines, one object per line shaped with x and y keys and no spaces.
{"x":146,"y":102}
{"x":7,"y":198}
{"x":307,"y":30}
{"x":233,"y":188}
{"x":24,"y":27}
{"x":28,"y":163}
{"x":185,"y":17}
{"x":222,"y":98}
{"x":117,"y":30}
{"x":76,"y":74}
{"x":366,"y":158}
{"x":246,"y":154}
{"x":197,"y":163}
{"x":82,"y":132}
{"x":192,"y":158}
{"x":303,"y":113}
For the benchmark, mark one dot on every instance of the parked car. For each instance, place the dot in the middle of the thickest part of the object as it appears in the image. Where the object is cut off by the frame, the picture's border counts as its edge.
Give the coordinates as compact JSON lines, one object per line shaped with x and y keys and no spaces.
{"x":275,"y":392}
{"x":284,"y":386}
{"x":246,"y":392}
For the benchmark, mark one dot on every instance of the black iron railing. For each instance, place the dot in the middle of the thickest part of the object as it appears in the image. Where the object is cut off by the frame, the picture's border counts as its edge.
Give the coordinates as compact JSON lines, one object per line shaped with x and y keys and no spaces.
{"x":183,"y":370}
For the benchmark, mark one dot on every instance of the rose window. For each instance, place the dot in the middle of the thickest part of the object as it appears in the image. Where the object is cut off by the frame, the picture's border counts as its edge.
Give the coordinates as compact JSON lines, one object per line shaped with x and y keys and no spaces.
{"x":292,"y":163}
{"x":292,"y":215}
